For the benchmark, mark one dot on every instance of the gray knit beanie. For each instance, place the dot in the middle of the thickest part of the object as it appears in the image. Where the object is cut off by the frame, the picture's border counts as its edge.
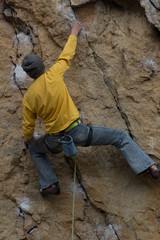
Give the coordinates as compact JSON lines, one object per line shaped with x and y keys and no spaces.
{"x":33,"y":65}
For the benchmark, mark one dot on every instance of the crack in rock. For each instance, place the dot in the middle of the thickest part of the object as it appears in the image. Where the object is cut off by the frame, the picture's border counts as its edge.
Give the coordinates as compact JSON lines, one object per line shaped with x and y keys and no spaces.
{"x":113,"y":93}
{"x":114,"y":233}
{"x":23,"y":37}
{"x":109,"y":229}
{"x":32,"y":230}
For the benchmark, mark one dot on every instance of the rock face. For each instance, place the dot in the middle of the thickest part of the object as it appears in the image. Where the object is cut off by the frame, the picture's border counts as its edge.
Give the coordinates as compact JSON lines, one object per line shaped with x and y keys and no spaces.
{"x":152,"y":10}
{"x":114,"y":81}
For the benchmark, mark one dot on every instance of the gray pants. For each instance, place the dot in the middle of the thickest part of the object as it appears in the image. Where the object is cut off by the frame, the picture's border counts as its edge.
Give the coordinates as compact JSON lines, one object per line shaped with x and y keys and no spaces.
{"x":138,"y":160}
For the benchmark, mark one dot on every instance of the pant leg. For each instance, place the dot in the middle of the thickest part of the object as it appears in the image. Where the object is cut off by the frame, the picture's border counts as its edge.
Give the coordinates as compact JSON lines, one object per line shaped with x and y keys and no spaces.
{"x":45,"y":172}
{"x":137,"y":159}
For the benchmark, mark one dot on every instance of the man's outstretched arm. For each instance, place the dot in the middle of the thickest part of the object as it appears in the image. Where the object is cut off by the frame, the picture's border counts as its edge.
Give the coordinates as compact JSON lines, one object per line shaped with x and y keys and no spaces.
{"x":63,"y":62}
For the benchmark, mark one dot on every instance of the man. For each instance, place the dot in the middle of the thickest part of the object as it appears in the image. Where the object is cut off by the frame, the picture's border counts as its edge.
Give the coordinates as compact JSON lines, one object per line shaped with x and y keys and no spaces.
{"x":49,"y":99}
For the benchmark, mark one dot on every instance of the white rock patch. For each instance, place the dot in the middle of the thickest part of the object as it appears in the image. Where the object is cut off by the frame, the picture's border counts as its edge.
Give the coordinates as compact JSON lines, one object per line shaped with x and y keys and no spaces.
{"x":24,"y":204}
{"x":149,"y":65}
{"x":18,"y":76}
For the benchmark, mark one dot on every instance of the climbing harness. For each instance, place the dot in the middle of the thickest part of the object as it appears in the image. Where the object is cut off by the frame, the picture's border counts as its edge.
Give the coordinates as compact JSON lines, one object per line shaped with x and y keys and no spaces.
{"x":74,"y":189}
{"x":54,"y":151}
{"x":90,"y":135}
{"x":154,"y":4}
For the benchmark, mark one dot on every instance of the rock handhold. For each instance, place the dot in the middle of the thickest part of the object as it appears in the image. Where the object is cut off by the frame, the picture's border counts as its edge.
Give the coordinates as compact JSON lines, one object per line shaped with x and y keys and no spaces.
{"x":79,"y":3}
{"x":152,"y":11}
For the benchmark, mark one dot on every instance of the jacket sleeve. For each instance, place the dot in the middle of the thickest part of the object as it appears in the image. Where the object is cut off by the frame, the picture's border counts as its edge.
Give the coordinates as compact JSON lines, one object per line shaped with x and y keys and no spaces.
{"x":29,"y":119}
{"x":63,"y":62}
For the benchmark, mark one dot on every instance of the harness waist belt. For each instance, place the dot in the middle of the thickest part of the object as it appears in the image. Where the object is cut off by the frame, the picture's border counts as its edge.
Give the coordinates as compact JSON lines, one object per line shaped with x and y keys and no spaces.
{"x":68,"y":128}
{"x":72,"y":125}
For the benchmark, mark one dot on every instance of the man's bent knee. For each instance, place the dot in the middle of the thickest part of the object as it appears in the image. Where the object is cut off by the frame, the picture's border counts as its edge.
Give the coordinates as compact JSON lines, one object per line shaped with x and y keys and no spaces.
{"x":121,"y":139}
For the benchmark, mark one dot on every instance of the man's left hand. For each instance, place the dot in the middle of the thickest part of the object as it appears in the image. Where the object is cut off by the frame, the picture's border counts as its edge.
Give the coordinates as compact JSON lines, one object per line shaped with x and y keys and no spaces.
{"x":28,"y":141}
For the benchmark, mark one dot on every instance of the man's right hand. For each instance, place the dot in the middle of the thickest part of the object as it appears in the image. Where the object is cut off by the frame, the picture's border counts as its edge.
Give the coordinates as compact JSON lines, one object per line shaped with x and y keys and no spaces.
{"x":75,"y":28}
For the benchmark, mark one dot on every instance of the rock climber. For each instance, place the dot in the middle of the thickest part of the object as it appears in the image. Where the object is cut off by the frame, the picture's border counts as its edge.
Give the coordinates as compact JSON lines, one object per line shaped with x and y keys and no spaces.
{"x":48,"y":98}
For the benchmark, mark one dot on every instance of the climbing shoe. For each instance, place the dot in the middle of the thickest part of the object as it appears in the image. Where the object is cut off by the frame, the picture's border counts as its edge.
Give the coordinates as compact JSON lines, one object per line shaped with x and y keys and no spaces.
{"x":156,"y":173}
{"x":53,"y":189}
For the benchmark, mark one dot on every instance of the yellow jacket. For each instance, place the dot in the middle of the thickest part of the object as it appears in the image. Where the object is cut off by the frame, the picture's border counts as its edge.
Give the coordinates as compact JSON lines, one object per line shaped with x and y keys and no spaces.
{"x":48,"y":97}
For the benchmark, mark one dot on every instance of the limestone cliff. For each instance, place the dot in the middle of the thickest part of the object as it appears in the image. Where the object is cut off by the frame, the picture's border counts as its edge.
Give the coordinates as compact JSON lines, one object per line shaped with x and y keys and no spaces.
{"x":114,"y":81}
